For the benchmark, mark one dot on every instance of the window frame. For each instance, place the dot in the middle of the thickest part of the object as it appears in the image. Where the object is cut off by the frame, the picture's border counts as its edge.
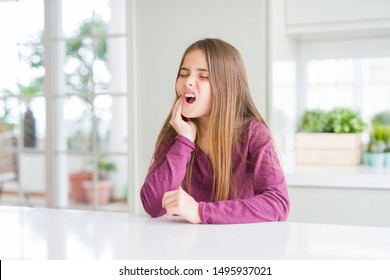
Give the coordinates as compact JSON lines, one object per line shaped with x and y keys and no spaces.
{"x":334,"y":49}
{"x":53,"y":10}
{"x":53,"y":72}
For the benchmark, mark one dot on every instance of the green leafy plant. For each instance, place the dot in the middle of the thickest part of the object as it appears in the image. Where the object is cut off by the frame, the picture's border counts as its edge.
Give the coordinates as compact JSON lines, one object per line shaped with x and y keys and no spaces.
{"x":386,"y":139}
{"x":345,"y":120}
{"x":381,"y":118}
{"x":381,"y":130}
{"x":106,"y":168}
{"x":375,"y":145}
{"x":379,"y":139}
{"x":314,"y":121}
{"x":339,"y":120}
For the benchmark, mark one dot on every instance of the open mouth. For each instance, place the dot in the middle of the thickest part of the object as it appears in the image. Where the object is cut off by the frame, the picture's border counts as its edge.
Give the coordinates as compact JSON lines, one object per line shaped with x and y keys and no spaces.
{"x":190,"y":98}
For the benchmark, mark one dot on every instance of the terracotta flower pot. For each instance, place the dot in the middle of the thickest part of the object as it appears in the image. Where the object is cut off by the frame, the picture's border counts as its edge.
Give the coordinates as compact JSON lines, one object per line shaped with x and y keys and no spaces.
{"x":76,"y":185}
{"x":104,"y":191}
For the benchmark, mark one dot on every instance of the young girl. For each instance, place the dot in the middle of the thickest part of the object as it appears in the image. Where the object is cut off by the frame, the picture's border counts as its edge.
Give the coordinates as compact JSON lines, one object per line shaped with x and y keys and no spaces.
{"x":214,"y":160}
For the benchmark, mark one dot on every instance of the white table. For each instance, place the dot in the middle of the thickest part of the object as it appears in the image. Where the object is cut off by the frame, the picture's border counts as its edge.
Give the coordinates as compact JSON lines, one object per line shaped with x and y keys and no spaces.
{"x":33,"y":233}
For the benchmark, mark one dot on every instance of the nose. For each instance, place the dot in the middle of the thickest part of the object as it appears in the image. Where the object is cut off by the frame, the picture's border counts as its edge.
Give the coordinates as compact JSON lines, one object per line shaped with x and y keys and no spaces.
{"x":190,"y":82}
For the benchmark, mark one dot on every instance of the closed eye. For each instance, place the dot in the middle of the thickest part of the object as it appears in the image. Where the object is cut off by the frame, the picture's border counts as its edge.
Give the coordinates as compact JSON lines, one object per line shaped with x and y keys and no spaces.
{"x":184,"y":72}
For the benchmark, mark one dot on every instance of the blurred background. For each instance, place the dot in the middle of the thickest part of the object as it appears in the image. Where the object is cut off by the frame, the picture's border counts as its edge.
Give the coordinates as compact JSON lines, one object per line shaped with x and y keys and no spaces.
{"x":85,"y":87}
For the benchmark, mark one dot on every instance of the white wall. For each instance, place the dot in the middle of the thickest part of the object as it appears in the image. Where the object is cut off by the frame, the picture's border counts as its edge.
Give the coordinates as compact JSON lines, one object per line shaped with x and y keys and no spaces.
{"x":283,"y":52}
{"x":335,"y":19}
{"x":346,"y":206}
{"x":163,"y":31}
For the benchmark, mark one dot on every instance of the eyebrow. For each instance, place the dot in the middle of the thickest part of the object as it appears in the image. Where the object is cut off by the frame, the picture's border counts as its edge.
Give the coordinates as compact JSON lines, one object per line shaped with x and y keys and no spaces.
{"x":198,"y":69}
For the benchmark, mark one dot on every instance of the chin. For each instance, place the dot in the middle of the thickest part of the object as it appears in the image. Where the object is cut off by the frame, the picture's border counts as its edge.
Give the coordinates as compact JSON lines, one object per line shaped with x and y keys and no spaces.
{"x":187,"y":115}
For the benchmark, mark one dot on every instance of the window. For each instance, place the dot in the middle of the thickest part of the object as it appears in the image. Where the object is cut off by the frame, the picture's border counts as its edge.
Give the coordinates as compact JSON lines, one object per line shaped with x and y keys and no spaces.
{"x":284,"y":99}
{"x":329,"y":74}
{"x":92,"y":99}
{"x":76,"y":103}
{"x":362,"y":84}
{"x":22,"y":102}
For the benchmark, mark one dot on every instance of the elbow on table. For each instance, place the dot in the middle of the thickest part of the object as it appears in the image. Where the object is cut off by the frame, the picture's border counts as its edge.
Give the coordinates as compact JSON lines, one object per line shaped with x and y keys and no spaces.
{"x":279,"y":206}
{"x":155,"y":214}
{"x":151,"y":208}
{"x":284,"y":209}
{"x":284,"y":215}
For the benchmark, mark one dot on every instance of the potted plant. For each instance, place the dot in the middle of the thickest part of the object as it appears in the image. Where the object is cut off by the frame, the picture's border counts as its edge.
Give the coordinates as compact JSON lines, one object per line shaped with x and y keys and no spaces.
{"x":28,"y":121}
{"x":344,"y":120}
{"x":81,"y":183}
{"x":375,"y":155}
{"x":314,"y":121}
{"x":329,"y":137}
{"x":384,"y":119}
{"x":387,"y":151}
{"x":76,"y":180}
{"x":32,"y":57}
{"x":104,"y":183}
{"x":378,"y":149}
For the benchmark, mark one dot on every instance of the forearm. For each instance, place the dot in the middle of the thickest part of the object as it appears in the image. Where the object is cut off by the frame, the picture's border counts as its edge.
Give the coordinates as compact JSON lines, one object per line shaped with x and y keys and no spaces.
{"x":265,"y":207}
{"x":164,"y":175}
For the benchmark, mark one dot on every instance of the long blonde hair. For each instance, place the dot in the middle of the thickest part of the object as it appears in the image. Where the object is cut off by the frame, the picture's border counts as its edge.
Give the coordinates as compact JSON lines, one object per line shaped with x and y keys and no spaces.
{"x":232,"y":110}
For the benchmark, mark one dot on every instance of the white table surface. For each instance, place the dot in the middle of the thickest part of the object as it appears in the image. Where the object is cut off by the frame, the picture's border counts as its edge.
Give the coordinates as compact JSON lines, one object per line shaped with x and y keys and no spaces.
{"x":34,"y":233}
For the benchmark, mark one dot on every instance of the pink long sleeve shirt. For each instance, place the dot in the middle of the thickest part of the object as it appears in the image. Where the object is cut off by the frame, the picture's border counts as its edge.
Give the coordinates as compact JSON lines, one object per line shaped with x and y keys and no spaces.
{"x":262,"y":194}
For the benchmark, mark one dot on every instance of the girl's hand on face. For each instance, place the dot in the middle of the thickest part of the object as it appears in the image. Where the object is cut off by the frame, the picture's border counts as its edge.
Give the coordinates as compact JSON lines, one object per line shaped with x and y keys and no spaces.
{"x":180,"y":203}
{"x":182,"y":127}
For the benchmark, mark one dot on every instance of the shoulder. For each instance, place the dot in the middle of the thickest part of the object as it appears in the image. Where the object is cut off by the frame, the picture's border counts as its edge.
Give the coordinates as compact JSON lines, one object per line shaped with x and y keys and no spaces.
{"x":257,"y":125}
{"x":257,"y":129}
{"x":254,"y":139}
{"x":253,"y":134}
{"x":258,"y":136}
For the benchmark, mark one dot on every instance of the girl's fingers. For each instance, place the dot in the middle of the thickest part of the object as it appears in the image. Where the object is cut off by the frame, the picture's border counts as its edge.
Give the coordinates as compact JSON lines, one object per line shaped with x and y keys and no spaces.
{"x":167,"y":200}
{"x":180,"y":203}
{"x":169,"y":197}
{"x":185,"y":128}
{"x":176,"y":115}
{"x":173,"y":211}
{"x":176,"y":112}
{"x":172,"y":207}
